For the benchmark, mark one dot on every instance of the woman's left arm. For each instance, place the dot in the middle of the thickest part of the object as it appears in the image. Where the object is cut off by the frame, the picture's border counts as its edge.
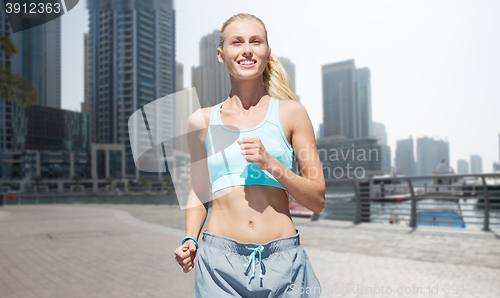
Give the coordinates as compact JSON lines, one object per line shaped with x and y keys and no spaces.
{"x":308,"y":188}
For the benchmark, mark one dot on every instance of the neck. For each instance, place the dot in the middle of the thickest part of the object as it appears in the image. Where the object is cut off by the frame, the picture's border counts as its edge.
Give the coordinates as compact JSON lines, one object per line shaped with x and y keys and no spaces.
{"x":246,"y":93}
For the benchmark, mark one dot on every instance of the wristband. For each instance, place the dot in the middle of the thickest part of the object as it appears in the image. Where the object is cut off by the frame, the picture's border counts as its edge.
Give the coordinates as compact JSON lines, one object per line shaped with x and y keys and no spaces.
{"x":190,"y":237}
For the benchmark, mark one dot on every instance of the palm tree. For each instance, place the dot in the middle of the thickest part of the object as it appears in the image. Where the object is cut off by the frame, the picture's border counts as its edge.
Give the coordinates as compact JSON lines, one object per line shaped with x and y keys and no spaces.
{"x":12,"y":85}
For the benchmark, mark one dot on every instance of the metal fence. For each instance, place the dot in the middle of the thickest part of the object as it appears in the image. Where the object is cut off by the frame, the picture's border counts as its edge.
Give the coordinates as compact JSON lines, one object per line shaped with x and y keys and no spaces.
{"x":137,"y":195}
{"x":471,"y":201}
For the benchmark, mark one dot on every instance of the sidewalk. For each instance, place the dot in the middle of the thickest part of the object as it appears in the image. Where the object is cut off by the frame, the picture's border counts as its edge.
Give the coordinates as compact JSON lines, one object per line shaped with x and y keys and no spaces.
{"x":127,"y":251}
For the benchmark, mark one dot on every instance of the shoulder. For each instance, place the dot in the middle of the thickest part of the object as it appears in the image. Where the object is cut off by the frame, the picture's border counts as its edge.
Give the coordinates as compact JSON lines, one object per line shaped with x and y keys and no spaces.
{"x":294,"y":111}
{"x":291,"y":105}
{"x":200,"y":119}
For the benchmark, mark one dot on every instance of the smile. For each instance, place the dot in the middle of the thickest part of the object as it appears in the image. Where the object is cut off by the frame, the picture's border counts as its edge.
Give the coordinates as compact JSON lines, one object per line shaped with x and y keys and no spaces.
{"x":247,"y":63}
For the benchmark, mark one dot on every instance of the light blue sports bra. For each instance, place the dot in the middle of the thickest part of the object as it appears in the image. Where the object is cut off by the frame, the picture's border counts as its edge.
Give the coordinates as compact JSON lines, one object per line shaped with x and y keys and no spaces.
{"x":226,"y":165}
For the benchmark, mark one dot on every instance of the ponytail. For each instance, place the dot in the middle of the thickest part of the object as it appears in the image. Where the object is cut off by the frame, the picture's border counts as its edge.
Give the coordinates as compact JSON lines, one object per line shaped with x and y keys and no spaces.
{"x":276,"y":81}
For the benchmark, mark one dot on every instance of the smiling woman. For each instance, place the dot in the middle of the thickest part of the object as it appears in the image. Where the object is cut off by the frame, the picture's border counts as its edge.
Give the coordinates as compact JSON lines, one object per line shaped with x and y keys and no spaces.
{"x":258,"y":126}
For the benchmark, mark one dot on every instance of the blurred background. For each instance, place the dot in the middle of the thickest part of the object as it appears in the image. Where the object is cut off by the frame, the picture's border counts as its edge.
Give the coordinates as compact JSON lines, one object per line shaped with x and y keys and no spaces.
{"x":392,"y":88}
{"x":403,"y":97}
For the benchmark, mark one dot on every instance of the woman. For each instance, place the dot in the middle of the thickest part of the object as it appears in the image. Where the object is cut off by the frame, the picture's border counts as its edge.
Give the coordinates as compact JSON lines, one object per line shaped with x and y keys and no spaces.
{"x":250,"y":179}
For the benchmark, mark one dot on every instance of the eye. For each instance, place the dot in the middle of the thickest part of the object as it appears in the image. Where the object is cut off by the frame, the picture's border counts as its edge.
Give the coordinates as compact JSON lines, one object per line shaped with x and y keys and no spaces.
{"x":258,"y":41}
{"x":236,"y":41}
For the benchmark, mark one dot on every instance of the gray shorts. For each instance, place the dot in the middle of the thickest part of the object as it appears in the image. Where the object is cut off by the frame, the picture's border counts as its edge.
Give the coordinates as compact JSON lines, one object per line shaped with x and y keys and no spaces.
{"x":227,"y":268}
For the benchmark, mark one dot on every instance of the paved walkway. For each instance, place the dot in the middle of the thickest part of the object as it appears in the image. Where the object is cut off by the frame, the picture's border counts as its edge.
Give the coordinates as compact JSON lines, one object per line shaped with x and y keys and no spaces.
{"x":127,"y":251}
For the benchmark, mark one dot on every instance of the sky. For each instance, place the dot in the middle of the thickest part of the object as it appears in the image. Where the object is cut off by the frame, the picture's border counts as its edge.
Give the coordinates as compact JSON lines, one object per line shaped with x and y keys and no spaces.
{"x":435,"y":65}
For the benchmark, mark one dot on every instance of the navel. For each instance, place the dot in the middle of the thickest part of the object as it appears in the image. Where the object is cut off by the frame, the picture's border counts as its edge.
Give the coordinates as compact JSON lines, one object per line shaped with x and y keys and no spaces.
{"x":250,"y":224}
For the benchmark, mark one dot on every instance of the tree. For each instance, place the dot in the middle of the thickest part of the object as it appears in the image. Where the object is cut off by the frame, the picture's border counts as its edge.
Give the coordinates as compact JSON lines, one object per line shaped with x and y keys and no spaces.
{"x":167,"y":181}
{"x":143,"y":181}
{"x":14,"y":87}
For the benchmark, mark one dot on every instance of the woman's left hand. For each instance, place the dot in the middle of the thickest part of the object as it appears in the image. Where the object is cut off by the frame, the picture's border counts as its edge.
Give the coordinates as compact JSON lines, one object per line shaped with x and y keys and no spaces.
{"x":253,"y":151}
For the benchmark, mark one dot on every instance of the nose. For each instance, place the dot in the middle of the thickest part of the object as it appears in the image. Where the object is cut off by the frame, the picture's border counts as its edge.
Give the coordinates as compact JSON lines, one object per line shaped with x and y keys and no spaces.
{"x":247,"y":50}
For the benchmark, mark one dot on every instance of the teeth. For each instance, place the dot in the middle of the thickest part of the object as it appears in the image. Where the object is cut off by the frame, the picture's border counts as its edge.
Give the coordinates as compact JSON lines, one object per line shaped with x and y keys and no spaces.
{"x":247,"y":62}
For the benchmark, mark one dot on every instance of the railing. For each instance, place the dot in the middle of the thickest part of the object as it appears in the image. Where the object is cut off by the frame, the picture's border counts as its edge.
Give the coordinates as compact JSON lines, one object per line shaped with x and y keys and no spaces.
{"x":134,"y":195}
{"x":440,"y":200}
{"x":474,"y":200}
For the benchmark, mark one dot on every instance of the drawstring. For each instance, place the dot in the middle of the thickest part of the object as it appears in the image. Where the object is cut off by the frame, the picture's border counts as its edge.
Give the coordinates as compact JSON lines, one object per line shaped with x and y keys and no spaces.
{"x":259,"y":250}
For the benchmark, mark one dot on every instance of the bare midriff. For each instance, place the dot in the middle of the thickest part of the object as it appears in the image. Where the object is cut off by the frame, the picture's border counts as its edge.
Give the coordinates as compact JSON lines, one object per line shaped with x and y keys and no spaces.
{"x":251,"y":214}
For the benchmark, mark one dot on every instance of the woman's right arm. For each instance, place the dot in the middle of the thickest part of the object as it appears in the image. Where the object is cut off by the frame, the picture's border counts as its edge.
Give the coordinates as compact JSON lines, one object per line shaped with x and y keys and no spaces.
{"x":200,"y":192}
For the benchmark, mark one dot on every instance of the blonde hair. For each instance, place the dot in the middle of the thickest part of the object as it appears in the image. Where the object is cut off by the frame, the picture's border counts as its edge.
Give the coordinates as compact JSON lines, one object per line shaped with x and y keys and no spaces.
{"x":276,"y":81}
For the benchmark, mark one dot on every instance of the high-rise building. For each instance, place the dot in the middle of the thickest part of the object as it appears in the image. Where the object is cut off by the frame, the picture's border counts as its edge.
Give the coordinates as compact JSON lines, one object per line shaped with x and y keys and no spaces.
{"x":210,"y":78}
{"x":349,"y":158}
{"x":132,"y":63}
{"x":179,"y":76}
{"x":320,"y":131}
{"x":379,"y":132}
{"x":405,"y":158}
{"x":5,"y":107}
{"x":385,"y":153}
{"x":476,"y":164}
{"x":364,"y":101}
{"x":46,"y":128}
{"x":462,"y":166}
{"x":346,"y":100}
{"x":38,"y":59}
{"x":86,"y":74}
{"x":290,"y":70}
{"x":429,"y":153}
{"x":339,"y":107}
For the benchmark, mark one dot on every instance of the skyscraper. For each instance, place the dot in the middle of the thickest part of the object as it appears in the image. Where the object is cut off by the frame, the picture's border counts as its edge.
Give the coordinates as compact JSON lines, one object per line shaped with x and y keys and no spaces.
{"x":86,"y":74}
{"x":405,"y":158}
{"x":462,"y":166}
{"x":476,"y":164}
{"x":290,"y":70}
{"x":364,"y":101}
{"x":429,"y":153}
{"x":339,"y":107}
{"x":210,"y":78}
{"x":132,"y":63}
{"x":378,"y":130}
{"x":5,"y":107}
{"x":38,"y":59}
{"x":179,"y":76}
{"x":320,"y":131}
{"x":346,"y":100}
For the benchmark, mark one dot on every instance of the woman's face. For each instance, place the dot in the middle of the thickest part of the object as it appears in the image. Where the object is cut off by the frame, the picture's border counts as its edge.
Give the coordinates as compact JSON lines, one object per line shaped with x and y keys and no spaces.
{"x":245,"y":50}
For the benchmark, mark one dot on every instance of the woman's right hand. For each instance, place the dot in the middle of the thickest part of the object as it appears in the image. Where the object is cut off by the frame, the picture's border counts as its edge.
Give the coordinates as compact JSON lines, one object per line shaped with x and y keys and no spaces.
{"x":185,"y":254}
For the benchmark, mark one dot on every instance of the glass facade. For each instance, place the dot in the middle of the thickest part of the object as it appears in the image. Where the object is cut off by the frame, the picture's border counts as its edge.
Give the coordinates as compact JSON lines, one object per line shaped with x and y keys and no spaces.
{"x":53,"y":165}
{"x":339,"y":104}
{"x":101,"y":164}
{"x":346,"y":100}
{"x":405,"y":157}
{"x":115,"y":163}
{"x":132,"y":63}
{"x":343,"y":158}
{"x":44,"y":128}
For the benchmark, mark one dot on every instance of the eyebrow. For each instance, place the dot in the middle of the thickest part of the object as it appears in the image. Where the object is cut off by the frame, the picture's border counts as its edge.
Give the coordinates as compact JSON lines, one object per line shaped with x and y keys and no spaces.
{"x":237,"y":36}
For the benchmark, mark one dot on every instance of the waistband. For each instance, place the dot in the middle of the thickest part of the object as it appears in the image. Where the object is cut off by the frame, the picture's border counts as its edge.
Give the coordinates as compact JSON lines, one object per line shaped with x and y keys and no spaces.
{"x":232,"y":245}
